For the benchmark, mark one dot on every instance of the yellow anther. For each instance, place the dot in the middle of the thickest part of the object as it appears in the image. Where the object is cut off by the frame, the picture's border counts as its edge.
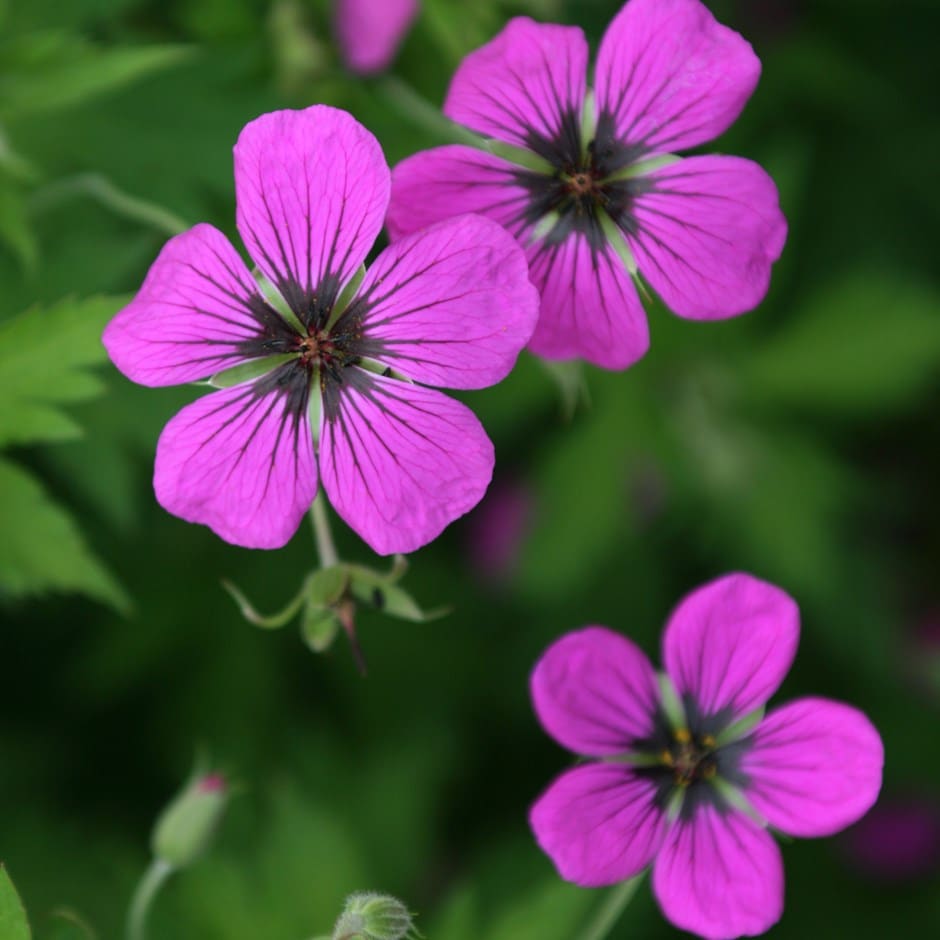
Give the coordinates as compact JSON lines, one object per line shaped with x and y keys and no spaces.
{"x":709,"y":740}
{"x":666,"y":757}
{"x":709,"y":771}
{"x":683,"y":736}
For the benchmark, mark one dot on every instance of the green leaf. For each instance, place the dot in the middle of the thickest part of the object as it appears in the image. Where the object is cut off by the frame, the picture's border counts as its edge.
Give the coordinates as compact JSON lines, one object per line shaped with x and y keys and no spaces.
{"x":42,"y":549}
{"x":44,"y":355}
{"x":16,"y":232}
{"x":13,"y":923}
{"x":867,"y":342}
{"x":50,"y":70}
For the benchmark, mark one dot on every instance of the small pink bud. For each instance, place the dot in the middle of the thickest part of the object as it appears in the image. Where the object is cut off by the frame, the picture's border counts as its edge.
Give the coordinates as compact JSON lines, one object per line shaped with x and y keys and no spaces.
{"x":186,"y":827}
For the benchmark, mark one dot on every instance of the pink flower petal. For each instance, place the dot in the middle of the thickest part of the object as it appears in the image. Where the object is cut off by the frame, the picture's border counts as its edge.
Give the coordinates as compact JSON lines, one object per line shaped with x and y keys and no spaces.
{"x":707,"y":235}
{"x":400,"y":462}
{"x":599,"y":824}
{"x":437,"y":184}
{"x":671,"y":76}
{"x":241,"y":461}
{"x":729,"y":644}
{"x":525,"y":86}
{"x":451,"y":305}
{"x":590,"y":308}
{"x":814,"y":767}
{"x":595,"y":692}
{"x":720,"y":876}
{"x":311,"y":189}
{"x":370,"y":31}
{"x":196,"y":307}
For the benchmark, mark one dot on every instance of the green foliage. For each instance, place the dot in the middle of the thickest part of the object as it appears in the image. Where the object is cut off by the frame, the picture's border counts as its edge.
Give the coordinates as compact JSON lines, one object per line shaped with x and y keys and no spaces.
{"x":52,"y":70}
{"x":45,"y":360}
{"x":13,"y":923}
{"x":42,"y":549}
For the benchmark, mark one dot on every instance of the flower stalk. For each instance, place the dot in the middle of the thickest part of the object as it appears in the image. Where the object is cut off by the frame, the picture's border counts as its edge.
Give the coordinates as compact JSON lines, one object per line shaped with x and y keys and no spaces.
{"x":147,"y":889}
{"x":609,"y":912}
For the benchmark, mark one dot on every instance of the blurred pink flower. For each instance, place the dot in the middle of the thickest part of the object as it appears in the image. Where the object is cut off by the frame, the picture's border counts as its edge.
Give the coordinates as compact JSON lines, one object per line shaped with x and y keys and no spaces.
{"x":450,"y":306}
{"x":680,"y":779}
{"x":497,"y":529}
{"x":897,"y":841}
{"x":370,"y":31}
{"x":592,"y":192}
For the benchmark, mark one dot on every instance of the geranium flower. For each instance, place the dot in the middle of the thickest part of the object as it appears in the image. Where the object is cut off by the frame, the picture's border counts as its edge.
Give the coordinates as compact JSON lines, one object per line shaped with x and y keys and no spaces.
{"x":586,"y":181}
{"x":451,"y":306}
{"x":688,"y":773}
{"x":370,"y":31}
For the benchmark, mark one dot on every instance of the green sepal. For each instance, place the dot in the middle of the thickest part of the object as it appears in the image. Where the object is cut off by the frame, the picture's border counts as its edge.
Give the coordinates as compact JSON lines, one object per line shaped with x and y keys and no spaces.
{"x":319,"y":627}
{"x":246,"y":371}
{"x":395,"y":601}
{"x":327,"y":585}
{"x":568,"y":375}
{"x":741,"y":728}
{"x":270,"y":621}
{"x":347,"y":294}
{"x":519,"y":156}
{"x":671,"y":703}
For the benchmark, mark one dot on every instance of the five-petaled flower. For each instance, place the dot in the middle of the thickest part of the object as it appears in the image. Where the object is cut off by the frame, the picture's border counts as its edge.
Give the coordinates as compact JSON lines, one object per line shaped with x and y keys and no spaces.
{"x":450,"y":306}
{"x":689,"y":774}
{"x":588,"y":183}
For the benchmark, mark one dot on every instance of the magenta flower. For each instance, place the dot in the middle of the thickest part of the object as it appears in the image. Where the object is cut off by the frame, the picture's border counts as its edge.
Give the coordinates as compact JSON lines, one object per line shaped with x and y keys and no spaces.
{"x":688,"y":773}
{"x":370,"y":31}
{"x":451,"y":306}
{"x":586,"y":181}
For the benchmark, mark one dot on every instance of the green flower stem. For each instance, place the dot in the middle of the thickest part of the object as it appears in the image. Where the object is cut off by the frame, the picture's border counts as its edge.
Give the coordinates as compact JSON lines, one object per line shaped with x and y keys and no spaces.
{"x":610,"y":911}
{"x":420,"y":111}
{"x":147,"y":890}
{"x":102,"y":190}
{"x":326,"y":549}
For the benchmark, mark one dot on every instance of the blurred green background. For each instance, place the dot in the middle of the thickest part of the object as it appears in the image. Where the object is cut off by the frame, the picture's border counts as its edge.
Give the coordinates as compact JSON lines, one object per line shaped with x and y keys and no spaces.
{"x":799,"y":443}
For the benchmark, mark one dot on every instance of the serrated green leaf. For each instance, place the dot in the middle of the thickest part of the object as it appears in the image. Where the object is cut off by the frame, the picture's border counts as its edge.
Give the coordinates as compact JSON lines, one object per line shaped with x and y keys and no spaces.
{"x":44,"y":355}
{"x":868,"y":342}
{"x":13,"y":923}
{"x":42,"y":549}
{"x":50,"y":70}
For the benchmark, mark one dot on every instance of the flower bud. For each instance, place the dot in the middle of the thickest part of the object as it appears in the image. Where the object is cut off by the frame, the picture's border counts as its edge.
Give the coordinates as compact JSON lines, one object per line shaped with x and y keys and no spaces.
{"x":370,"y":916}
{"x":186,"y":827}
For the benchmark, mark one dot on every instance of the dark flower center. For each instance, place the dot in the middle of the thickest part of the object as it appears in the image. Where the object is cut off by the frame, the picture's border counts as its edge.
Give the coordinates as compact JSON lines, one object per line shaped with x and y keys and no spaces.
{"x":583,"y":186}
{"x":691,"y":758}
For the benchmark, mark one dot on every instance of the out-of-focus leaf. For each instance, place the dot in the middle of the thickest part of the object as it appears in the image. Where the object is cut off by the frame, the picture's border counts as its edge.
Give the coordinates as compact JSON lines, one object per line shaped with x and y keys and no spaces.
{"x":42,"y":549}
{"x":16,"y":232}
{"x":866,"y":343}
{"x":50,"y":70}
{"x":13,"y":923}
{"x":65,"y":924}
{"x":44,"y":355}
{"x":553,"y":911}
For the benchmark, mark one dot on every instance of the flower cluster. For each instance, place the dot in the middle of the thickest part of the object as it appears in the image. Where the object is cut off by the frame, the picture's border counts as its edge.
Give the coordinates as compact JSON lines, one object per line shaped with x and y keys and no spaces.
{"x":326,"y":374}
{"x":687,"y":772}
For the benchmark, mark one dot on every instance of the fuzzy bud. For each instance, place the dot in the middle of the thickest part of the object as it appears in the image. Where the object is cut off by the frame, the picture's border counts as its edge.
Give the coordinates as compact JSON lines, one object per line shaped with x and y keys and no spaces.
{"x":186,"y":827}
{"x":370,"y":916}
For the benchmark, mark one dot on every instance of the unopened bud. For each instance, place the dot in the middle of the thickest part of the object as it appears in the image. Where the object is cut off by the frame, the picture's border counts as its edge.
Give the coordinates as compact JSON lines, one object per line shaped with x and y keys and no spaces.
{"x":370,"y":916}
{"x":186,"y":827}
